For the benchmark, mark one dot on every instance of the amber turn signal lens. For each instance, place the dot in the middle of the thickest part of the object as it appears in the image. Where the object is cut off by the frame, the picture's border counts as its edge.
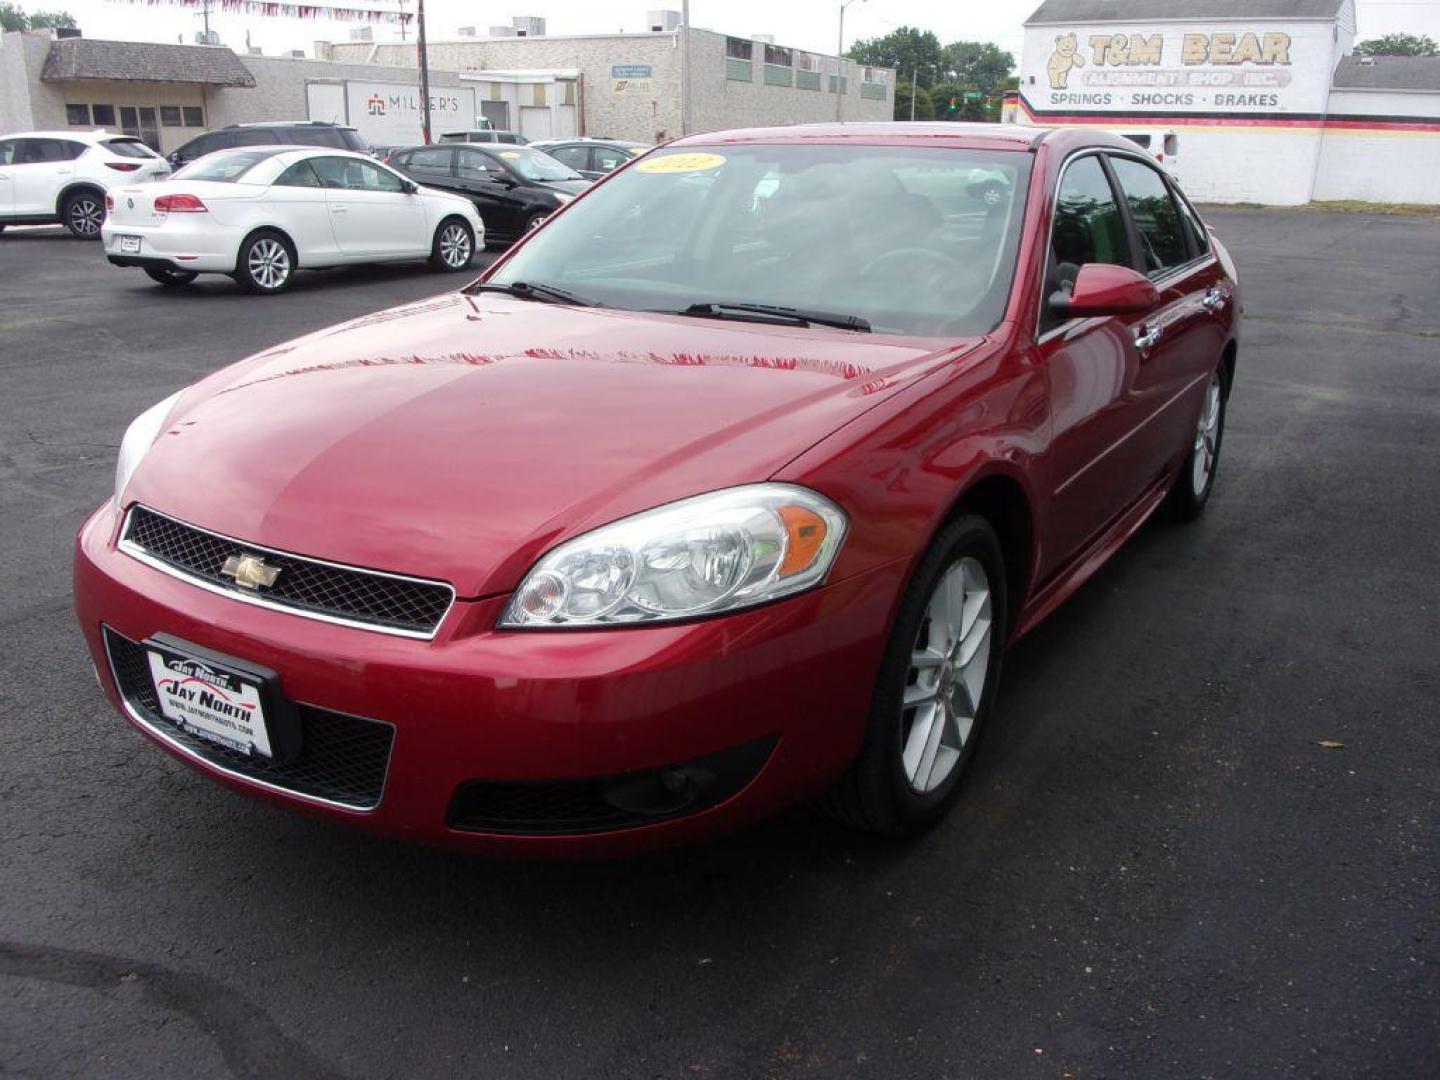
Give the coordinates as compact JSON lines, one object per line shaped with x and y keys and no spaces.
{"x":805,"y":531}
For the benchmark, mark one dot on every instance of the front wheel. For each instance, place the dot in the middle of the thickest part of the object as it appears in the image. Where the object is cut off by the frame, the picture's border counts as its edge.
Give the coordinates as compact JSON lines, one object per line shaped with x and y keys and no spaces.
{"x":1192,"y":487}
{"x":936,"y":686}
{"x":165,"y":276}
{"x":453,"y":247}
{"x":83,"y":214}
{"x":266,"y":263}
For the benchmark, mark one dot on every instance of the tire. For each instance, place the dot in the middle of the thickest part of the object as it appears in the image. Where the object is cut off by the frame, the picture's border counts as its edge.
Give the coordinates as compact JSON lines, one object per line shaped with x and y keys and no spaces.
{"x":901,"y":783}
{"x":82,"y":213}
{"x":1196,"y":480}
{"x":266,"y":263}
{"x":454,"y":246}
{"x":165,"y":276}
{"x":533,"y":222}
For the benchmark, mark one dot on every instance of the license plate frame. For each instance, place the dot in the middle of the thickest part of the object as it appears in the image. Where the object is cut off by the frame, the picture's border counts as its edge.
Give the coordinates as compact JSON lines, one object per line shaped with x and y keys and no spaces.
{"x":224,"y":701}
{"x":129,"y":245}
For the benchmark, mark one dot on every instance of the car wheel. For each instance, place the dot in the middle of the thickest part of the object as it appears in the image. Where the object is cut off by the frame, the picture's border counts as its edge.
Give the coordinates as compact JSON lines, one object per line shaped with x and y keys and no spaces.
{"x":266,"y":263}
{"x":165,"y":276}
{"x":454,"y":245}
{"x":936,"y":686}
{"x":1191,"y":490}
{"x":534,"y":221}
{"x":83,"y":213}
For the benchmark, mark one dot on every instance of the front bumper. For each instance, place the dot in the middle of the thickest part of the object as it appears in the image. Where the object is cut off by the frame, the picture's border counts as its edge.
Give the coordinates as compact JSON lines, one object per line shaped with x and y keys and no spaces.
{"x":479,"y":714}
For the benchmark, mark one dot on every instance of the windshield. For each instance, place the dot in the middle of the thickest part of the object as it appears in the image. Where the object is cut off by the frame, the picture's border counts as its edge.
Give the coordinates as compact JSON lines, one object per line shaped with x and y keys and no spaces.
{"x":533,"y":165}
{"x":226,"y":166}
{"x":914,"y":241}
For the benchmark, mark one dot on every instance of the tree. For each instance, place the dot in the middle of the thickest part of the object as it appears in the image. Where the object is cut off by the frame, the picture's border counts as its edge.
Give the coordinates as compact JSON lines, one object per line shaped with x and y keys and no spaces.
{"x":924,"y":104}
{"x":14,"y":18}
{"x":49,"y":20}
{"x":914,"y":54}
{"x":977,"y":64}
{"x":1399,"y":45}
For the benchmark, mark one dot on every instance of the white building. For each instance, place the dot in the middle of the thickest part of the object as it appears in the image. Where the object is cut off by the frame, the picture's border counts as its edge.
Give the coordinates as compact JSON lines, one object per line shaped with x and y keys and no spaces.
{"x":1265,"y":100}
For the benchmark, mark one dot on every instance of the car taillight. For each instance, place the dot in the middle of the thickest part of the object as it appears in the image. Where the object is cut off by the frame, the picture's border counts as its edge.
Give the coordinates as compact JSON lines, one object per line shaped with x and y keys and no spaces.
{"x":178,"y":204}
{"x":122,"y":166}
{"x":109,"y":202}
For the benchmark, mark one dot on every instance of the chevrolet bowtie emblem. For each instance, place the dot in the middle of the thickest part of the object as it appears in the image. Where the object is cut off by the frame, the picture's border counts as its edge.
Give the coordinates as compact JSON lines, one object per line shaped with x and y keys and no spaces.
{"x":250,"y":571}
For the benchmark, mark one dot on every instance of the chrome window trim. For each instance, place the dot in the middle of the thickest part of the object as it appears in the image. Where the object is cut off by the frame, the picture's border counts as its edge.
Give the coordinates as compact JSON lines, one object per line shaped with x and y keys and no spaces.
{"x":141,"y":555}
{"x":139,"y":718}
{"x":1041,"y":337}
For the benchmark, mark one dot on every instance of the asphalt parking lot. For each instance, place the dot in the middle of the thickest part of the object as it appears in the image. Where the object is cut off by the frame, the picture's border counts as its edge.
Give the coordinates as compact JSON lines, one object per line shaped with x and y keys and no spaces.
{"x":1157,"y":869}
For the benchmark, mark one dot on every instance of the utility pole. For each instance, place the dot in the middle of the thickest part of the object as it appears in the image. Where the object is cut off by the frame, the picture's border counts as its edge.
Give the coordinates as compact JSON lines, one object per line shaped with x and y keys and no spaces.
{"x":403,"y":35}
{"x":424,"y":71}
{"x":685,"y":67}
{"x":914,"y":90}
{"x":840,"y":60}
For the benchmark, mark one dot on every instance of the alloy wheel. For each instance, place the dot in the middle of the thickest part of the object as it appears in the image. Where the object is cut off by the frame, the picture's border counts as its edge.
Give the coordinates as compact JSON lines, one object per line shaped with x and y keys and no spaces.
{"x":269,"y":263}
{"x":86,"y":216}
{"x":1207,"y":437}
{"x":455,"y":246}
{"x":948,"y":666}
{"x":535,"y":222}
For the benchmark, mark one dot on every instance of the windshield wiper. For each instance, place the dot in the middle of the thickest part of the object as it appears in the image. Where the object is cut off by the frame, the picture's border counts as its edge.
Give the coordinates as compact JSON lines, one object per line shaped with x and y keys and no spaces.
{"x":776,"y":313}
{"x":530,"y":290}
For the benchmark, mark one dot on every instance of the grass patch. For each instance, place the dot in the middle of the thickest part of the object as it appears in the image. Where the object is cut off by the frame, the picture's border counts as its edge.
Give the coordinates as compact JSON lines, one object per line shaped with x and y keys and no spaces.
{"x":1343,"y":206}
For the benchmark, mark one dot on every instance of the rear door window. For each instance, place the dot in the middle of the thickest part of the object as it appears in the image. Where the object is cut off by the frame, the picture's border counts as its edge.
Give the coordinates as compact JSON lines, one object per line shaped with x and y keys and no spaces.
{"x":257,"y":137}
{"x":1088,"y":228}
{"x":301,"y":174}
{"x":577,"y":157}
{"x":432,"y":159}
{"x":47,"y":151}
{"x":1162,"y":241}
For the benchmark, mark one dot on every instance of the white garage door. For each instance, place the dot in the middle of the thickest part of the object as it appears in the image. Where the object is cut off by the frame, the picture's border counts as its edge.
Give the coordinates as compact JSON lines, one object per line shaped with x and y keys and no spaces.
{"x":535,"y":122}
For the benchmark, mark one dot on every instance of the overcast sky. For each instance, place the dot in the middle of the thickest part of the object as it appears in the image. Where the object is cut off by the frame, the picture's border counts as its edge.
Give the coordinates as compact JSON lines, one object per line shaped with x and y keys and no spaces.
{"x":804,"y":24}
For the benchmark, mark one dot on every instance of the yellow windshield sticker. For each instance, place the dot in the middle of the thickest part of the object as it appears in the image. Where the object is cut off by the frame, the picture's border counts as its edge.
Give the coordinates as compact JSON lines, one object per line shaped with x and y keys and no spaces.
{"x":510,"y":153}
{"x":681,"y":163}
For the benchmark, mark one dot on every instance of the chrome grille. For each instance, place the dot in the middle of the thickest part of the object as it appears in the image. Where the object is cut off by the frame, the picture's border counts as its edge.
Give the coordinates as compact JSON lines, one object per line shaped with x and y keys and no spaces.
{"x":366,"y":597}
{"x":343,"y":759}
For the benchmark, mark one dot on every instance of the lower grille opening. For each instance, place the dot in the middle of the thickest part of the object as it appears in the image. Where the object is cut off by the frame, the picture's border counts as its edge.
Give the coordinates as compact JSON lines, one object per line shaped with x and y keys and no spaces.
{"x":606,"y":804}
{"x":343,"y":759}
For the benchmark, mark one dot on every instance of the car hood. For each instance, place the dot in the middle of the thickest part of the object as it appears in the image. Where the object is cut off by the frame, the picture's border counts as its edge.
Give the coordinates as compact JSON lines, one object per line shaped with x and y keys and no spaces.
{"x":458,"y":438}
{"x":570,"y":187}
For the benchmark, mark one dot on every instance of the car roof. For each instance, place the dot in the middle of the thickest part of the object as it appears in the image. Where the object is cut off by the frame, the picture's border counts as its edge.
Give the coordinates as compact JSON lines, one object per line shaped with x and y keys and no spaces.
{"x":289,"y":124}
{"x":91,"y":135}
{"x":942,"y":133}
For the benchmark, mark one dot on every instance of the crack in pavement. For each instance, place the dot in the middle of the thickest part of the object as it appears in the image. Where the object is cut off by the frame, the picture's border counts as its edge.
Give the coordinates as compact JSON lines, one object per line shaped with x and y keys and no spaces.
{"x":247,"y":1038}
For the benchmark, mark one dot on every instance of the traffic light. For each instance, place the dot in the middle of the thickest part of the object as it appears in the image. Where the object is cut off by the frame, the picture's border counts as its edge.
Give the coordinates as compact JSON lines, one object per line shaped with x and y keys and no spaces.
{"x":954,"y":106}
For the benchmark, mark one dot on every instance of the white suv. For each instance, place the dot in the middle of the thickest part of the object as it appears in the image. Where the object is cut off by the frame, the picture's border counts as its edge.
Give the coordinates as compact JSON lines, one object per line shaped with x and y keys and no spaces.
{"x":62,"y":176}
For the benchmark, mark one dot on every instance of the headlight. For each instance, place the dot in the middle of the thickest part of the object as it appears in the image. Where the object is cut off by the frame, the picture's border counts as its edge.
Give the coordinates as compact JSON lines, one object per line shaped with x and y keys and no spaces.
{"x":562,"y":198}
{"x":139,"y":437}
{"x":701,"y":556}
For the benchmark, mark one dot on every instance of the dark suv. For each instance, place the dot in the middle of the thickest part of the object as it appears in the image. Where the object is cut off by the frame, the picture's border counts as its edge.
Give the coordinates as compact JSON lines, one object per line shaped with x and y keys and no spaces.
{"x":515,"y":188}
{"x":299,"y":133}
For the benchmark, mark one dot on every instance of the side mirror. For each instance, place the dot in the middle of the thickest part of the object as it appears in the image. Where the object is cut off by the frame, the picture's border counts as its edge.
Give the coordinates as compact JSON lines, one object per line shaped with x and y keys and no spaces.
{"x":1102,"y":289}
{"x":174,"y":158}
{"x":409,"y":187}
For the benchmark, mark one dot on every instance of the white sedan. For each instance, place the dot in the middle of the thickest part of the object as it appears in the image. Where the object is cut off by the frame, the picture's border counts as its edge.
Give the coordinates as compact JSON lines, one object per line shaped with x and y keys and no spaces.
{"x":261,"y":213}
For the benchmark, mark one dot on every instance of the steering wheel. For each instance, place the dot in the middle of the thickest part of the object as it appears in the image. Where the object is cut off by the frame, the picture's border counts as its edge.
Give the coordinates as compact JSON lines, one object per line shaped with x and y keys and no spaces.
{"x":934,"y":258}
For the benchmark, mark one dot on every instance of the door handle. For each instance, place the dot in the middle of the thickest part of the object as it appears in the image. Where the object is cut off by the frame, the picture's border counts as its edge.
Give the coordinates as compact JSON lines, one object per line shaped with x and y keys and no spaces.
{"x":337,"y":209}
{"x":1214,"y":299}
{"x":1146,"y":337}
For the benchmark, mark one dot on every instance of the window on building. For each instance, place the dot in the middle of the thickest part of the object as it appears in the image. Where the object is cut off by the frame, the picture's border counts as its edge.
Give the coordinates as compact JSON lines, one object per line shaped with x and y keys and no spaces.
{"x":778,"y":57}
{"x":170,"y":115}
{"x":1161,"y":241}
{"x":807,"y":61}
{"x":130,"y":120}
{"x":875,"y":76}
{"x":1087,"y":228}
{"x":77,"y":115}
{"x":739,"y":49}
{"x":193,"y":115}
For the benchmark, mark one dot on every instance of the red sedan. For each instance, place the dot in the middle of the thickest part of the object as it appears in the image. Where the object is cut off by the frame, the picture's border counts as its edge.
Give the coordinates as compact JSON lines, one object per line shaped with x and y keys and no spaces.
{"x":726,"y":489}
